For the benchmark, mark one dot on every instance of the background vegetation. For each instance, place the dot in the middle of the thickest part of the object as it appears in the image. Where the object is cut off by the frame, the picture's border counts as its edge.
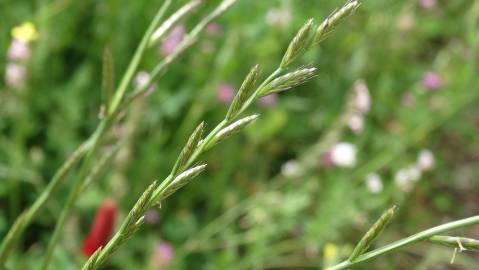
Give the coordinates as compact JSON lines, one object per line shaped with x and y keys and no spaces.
{"x":276,"y":217}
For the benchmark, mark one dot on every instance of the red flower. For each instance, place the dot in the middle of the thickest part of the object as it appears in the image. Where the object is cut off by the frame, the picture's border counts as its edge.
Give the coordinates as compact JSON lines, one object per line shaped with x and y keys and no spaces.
{"x":102,"y":227}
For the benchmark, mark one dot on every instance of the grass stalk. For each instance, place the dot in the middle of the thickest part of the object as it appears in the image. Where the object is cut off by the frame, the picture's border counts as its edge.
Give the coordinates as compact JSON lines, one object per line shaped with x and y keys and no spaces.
{"x":413,"y":239}
{"x":76,"y":190}
{"x":135,"y":61}
{"x":22,"y":222}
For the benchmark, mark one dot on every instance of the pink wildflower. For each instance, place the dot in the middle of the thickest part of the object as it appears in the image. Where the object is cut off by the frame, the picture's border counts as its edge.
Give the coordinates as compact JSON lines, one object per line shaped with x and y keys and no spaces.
{"x":432,"y":81}
{"x":225,"y":93}
{"x":172,"y":40}
{"x":269,"y":100}
{"x":362,"y":99}
{"x":163,"y":255}
{"x":18,"y":50}
{"x":428,"y":4}
{"x":15,"y":75}
{"x":408,"y":100}
{"x":213,"y":29}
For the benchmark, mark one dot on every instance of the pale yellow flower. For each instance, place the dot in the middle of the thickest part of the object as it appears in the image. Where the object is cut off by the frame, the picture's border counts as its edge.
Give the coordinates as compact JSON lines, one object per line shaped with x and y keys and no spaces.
{"x":25,"y":32}
{"x":330,"y":252}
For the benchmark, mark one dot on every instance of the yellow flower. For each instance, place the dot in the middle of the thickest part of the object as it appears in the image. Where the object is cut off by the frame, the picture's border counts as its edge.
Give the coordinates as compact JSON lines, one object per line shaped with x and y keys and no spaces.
{"x":25,"y":32}
{"x":330,"y":251}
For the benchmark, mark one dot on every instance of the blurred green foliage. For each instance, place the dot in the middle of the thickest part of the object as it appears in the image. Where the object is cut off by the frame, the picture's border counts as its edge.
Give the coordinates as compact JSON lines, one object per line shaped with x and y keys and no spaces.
{"x":389,"y":44}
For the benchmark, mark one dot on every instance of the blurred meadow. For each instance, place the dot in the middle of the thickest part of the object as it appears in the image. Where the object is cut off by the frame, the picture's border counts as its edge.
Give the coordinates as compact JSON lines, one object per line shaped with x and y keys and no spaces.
{"x":392,"y":117}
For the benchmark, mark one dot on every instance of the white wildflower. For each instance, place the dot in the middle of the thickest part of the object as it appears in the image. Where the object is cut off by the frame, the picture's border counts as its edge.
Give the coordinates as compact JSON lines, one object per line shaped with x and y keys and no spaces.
{"x":278,"y":17}
{"x":413,"y":173}
{"x":290,"y":168}
{"x":406,"y":177}
{"x":362,"y":97}
{"x":141,"y":79}
{"x":15,"y":75}
{"x":344,"y":154}
{"x":425,"y":160}
{"x":356,"y":123}
{"x":402,"y":180}
{"x":374,"y":183}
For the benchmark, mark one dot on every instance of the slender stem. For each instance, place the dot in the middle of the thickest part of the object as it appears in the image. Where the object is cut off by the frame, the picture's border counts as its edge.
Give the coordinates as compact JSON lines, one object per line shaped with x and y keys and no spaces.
{"x":28,"y":215}
{"x":421,"y":236}
{"x":172,"y":20}
{"x":76,"y":189}
{"x":135,"y":61}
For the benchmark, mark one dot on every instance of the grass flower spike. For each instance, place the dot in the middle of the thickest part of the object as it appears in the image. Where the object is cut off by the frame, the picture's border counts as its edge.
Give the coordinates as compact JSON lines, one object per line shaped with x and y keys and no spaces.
{"x":334,"y":19}
{"x":289,"y":80}
{"x":298,"y":44}
{"x":244,"y":92}
{"x":183,"y":179}
{"x":188,"y":149}
{"x":232,"y":129}
{"x":172,"y":20}
{"x":373,"y":233}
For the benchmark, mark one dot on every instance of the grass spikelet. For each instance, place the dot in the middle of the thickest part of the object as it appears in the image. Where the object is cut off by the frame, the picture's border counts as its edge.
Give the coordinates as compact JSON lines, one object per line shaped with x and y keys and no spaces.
{"x":142,"y":204}
{"x":298,"y":44}
{"x":233,"y":128}
{"x":244,"y":92}
{"x":172,"y":20}
{"x":183,"y":179}
{"x":188,"y":149}
{"x":289,"y":80}
{"x":334,"y":19}
{"x":372,"y":234}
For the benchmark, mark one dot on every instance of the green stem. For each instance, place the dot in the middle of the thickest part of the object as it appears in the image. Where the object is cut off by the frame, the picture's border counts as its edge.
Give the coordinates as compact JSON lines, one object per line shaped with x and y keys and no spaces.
{"x":421,"y":236}
{"x":135,"y":61}
{"x":29,"y":215}
{"x":76,"y":190}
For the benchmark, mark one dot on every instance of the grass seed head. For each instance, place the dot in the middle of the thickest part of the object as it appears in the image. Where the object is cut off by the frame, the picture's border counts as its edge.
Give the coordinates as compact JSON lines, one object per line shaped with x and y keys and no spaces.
{"x":298,"y":44}
{"x":334,"y":19}
{"x":289,"y":80}
{"x":244,"y":93}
